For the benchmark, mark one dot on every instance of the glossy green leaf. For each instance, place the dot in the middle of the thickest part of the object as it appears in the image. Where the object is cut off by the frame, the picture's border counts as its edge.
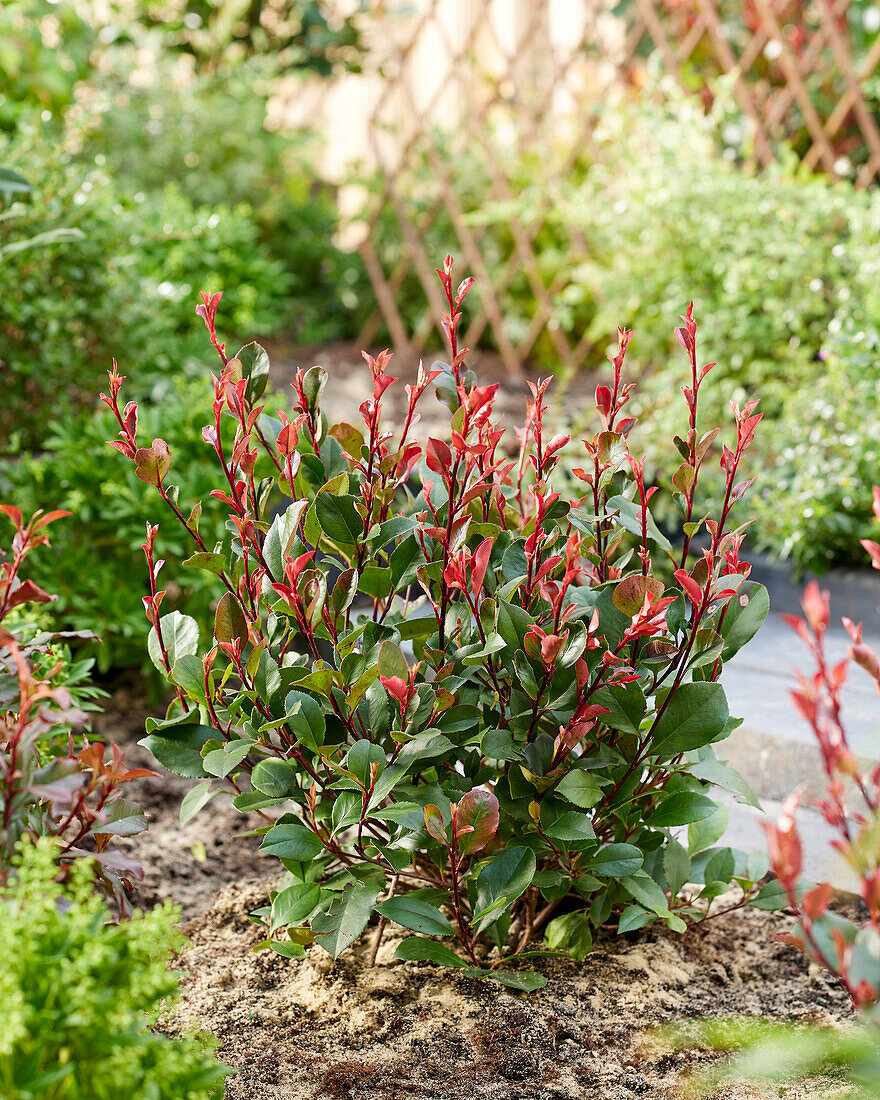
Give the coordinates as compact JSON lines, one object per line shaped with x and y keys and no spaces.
{"x":571,"y":827}
{"x":180,"y":635}
{"x":615,"y":860}
{"x":417,"y":949}
{"x":291,"y":841}
{"x":415,"y":914}
{"x":681,"y":808}
{"x":694,"y":715}
{"x":255,"y":368}
{"x":178,"y":748}
{"x":195,"y":799}
{"x":580,"y":788}
{"x":275,"y":778}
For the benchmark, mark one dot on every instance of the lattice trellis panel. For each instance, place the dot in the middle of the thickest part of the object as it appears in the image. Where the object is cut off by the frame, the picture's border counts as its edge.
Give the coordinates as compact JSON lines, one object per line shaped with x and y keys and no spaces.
{"x":493,"y":82}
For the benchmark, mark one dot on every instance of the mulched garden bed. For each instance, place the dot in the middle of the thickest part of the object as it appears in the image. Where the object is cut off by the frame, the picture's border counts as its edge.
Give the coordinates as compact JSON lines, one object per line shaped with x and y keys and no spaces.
{"x":314,"y":1028}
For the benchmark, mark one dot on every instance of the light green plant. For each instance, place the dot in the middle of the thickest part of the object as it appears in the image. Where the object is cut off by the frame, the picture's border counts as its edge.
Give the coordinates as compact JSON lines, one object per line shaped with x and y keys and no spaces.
{"x":82,"y":996}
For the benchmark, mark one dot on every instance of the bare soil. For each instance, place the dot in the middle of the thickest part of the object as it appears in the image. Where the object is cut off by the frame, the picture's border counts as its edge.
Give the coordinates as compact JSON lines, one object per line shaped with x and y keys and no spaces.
{"x":315,"y":1029}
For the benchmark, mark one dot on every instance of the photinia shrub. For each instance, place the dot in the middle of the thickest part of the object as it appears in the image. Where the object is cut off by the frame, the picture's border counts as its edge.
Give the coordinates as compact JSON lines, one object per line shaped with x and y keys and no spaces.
{"x":461,"y":702}
{"x":54,"y":782}
{"x":781,"y":1052}
{"x":851,"y":805}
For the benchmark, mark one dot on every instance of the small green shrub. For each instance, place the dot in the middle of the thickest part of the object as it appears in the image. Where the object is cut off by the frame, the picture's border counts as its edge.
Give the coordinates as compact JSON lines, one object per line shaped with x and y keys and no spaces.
{"x":189,"y":128}
{"x":80,"y":996}
{"x":810,"y":503}
{"x":128,"y":279}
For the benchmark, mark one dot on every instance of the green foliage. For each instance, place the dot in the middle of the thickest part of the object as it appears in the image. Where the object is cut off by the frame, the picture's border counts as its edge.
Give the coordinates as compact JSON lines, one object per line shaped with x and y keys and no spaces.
{"x":307,"y":36}
{"x":463,"y":699}
{"x":811,"y":505}
{"x":767,"y":259}
{"x":783,"y":1054}
{"x":45,"y":48}
{"x":80,"y":996}
{"x":782,"y":266}
{"x":189,"y":129}
{"x":128,"y":279}
{"x":95,"y":556}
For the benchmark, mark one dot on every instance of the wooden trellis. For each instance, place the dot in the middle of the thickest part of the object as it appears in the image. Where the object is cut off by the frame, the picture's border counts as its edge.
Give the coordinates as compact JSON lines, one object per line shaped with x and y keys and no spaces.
{"x":454,"y":74}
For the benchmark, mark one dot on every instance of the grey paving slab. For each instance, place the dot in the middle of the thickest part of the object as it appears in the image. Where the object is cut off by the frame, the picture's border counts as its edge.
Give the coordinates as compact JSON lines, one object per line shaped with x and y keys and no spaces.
{"x":821,"y":862}
{"x":758,"y":681}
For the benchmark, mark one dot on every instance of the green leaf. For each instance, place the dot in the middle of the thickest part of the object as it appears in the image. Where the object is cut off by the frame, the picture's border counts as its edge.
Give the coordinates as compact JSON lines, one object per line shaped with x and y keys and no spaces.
{"x":681,"y":808}
{"x":526,"y":980}
{"x":704,"y":833}
{"x":745,"y":614}
{"x":572,"y":933}
{"x":291,"y":841}
{"x":211,"y":563}
{"x":308,"y":724}
{"x":123,"y":818}
{"x":180,"y":633}
{"x":230,"y":624}
{"x":280,"y":535}
{"x":178,"y":748}
{"x":338,"y":928}
{"x":646,"y":891}
{"x":676,"y":867}
{"x":571,"y":826}
{"x":426,"y":746}
{"x":288,"y":949}
{"x":339,"y":518}
{"x":615,"y":860}
{"x":506,"y":877}
{"x":222,"y":761}
{"x":392,"y":661}
{"x":502,"y":745}
{"x":194,"y":799}
{"x":416,"y":915}
{"x":629,"y":516}
{"x":344,"y":590}
{"x":361,"y":756}
{"x":294,"y":905}
{"x":720,"y":868}
{"x":694,"y":716}
{"x":404,"y":562}
{"x":722,"y":775}
{"x":417,"y":949}
{"x":626,"y":705}
{"x":772,"y":896}
{"x":255,"y":368}
{"x":11,"y":182}
{"x":633,"y":917}
{"x":188,"y":673}
{"x":314,"y":381}
{"x":275,"y":778}
{"x":580,"y":788}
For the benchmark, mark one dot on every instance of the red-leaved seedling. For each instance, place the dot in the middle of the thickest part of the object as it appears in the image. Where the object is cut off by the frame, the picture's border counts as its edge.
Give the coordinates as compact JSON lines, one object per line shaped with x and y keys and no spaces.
{"x":53,"y":780}
{"x":461,"y":700}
